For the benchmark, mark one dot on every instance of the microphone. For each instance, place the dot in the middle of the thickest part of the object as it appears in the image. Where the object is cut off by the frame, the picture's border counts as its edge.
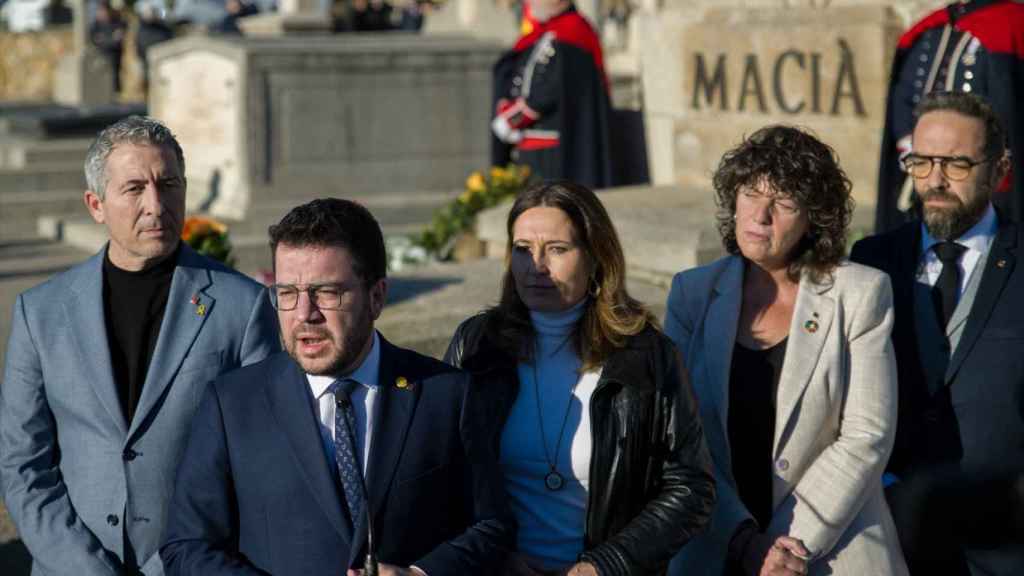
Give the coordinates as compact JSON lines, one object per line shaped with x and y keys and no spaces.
{"x":370,"y":564}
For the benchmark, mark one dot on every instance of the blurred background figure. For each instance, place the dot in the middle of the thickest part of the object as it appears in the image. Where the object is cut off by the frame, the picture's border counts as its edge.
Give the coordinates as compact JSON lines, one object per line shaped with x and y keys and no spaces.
{"x":107,"y":34}
{"x":235,"y":9}
{"x":152,"y":30}
{"x":414,"y":12}
{"x":57,"y":12}
{"x":371,"y":16}
{"x":552,"y":110}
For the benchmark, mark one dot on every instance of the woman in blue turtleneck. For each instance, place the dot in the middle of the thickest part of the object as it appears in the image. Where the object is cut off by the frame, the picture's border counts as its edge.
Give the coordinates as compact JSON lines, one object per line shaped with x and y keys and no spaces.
{"x":601,"y":444}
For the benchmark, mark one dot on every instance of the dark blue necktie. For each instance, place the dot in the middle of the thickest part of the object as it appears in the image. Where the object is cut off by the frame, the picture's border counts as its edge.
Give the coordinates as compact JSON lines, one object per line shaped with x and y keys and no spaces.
{"x":946,"y":287}
{"x":350,"y":469}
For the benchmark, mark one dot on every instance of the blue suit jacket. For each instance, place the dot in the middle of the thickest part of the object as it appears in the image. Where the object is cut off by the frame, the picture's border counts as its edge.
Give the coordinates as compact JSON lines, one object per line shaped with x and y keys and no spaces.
{"x":76,"y":476}
{"x":256,"y":494}
{"x":962,"y":447}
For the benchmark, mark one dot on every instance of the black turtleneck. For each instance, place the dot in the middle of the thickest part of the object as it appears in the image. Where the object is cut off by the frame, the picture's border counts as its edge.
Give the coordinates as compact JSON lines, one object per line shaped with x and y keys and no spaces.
{"x":133,"y":307}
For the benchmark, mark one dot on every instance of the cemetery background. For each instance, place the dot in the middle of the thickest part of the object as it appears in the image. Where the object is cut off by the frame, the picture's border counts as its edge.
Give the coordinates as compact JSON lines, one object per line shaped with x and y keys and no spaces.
{"x":399,"y":121}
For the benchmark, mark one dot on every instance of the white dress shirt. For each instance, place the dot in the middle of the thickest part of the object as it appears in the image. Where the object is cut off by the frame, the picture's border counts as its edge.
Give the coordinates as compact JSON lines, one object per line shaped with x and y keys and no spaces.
{"x":977,"y":240}
{"x":364,"y":400}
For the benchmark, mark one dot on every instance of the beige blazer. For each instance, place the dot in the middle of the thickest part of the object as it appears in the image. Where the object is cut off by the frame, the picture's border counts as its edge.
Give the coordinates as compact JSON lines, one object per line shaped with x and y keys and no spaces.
{"x":835,"y":420}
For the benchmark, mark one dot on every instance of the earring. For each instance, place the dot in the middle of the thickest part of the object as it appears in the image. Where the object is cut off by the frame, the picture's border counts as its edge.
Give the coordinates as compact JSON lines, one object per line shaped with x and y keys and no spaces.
{"x":594,"y":288}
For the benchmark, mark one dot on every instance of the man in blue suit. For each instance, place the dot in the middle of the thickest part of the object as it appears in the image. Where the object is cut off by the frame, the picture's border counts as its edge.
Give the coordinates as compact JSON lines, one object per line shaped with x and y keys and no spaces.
{"x":107,"y":361}
{"x":344,"y":451}
{"x":955,"y":481}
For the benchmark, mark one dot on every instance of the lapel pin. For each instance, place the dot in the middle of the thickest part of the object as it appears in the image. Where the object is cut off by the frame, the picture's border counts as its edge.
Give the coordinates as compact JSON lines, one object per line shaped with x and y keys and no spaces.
{"x":811,"y":326}
{"x":195,"y":299}
{"x":1001,"y":263}
{"x":201,"y":309}
{"x":402,"y":383}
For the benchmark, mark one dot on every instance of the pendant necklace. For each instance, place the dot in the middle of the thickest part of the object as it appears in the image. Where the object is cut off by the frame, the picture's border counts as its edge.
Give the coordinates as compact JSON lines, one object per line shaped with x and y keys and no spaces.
{"x":553,"y":481}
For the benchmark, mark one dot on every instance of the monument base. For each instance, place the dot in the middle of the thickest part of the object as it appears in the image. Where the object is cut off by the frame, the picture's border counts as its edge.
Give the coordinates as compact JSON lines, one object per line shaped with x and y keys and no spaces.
{"x":84,"y":78}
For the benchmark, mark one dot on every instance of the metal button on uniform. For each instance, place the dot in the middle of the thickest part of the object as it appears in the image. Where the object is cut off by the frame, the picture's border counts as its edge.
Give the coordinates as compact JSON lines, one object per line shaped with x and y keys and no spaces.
{"x":782,"y":464}
{"x":969,"y":75}
{"x":967,"y":87}
{"x":112,"y":519}
{"x":129,"y":454}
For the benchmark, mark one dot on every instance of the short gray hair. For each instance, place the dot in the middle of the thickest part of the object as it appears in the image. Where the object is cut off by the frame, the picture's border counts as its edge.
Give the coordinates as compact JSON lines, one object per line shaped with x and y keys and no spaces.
{"x":135,"y":130}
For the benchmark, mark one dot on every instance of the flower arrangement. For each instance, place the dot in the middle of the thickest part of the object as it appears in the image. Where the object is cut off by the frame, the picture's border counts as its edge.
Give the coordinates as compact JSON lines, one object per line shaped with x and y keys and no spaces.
{"x":481,"y":192}
{"x":209,"y":237}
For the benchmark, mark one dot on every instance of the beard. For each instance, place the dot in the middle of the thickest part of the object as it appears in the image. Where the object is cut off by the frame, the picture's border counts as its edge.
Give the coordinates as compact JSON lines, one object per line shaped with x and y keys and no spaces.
{"x":338,"y":358}
{"x":949,"y":222}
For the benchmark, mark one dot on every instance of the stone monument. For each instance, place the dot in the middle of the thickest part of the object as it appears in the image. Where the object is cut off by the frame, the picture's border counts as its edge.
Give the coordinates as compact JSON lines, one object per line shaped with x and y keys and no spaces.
{"x":273,"y":118}
{"x":711,"y":79}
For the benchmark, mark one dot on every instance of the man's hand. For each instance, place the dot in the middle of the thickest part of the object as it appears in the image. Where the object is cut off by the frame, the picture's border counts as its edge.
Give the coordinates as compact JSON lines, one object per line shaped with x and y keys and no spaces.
{"x":784,"y":556}
{"x":390,"y":570}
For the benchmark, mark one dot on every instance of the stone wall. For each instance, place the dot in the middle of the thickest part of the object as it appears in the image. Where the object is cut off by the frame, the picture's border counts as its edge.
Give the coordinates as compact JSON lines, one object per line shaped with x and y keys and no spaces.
{"x":28,"y":61}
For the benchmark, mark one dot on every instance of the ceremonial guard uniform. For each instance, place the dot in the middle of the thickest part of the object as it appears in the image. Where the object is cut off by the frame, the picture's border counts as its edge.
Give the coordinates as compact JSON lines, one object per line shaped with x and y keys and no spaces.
{"x":965,"y":47}
{"x":551,"y":102}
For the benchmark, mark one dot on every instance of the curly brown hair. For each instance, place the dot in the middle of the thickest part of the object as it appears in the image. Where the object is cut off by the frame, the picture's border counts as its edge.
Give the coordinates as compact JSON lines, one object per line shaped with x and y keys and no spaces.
{"x":796,"y":165}
{"x":611,"y":314}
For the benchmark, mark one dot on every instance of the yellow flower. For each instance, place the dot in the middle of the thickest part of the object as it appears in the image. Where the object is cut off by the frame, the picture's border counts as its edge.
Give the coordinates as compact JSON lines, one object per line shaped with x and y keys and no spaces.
{"x":476,"y":182}
{"x":465,"y":197}
{"x":498,"y":173}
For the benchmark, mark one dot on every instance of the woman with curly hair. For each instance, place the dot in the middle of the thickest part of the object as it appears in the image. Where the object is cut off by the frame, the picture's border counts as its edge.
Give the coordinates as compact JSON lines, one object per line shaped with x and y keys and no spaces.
{"x":788,"y":346}
{"x":600,"y":440}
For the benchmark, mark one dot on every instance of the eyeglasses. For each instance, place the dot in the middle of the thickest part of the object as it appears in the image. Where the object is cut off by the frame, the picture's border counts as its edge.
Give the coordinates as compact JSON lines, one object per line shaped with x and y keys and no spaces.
{"x":327,"y":296}
{"x":783,"y":204}
{"x":955,"y":168}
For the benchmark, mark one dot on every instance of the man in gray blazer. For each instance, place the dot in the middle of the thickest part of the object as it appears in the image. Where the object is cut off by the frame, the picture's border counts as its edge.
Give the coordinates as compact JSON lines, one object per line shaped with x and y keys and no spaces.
{"x":107,"y":361}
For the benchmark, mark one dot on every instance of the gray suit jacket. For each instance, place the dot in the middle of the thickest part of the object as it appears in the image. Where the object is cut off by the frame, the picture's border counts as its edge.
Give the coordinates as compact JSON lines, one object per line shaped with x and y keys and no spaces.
{"x":835,"y":415}
{"x":75,"y":476}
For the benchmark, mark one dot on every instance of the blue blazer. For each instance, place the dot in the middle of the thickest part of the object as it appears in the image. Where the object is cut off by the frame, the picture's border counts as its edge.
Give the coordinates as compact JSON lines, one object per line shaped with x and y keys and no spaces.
{"x":76,"y":476}
{"x":256,"y":493}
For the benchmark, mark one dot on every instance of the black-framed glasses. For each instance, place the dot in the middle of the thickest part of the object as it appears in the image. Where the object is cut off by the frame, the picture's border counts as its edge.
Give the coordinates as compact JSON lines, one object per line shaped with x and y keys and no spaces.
{"x":326,"y":296}
{"x":955,"y":168}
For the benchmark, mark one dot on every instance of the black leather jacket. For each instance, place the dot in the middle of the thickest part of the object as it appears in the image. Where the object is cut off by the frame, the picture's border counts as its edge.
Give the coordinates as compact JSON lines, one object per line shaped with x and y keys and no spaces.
{"x":651,"y":485}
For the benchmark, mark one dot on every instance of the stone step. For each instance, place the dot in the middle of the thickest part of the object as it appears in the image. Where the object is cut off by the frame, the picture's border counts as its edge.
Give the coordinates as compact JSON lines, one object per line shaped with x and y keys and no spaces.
{"x":42,"y":177}
{"x":57,"y":120}
{"x":19,"y":211}
{"x":22,"y":153}
{"x":34,"y":256}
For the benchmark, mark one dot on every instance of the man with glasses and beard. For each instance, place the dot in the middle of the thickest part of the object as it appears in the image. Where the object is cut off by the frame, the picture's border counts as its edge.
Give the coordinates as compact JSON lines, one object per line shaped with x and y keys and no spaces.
{"x":955,"y":480}
{"x":344,"y":451}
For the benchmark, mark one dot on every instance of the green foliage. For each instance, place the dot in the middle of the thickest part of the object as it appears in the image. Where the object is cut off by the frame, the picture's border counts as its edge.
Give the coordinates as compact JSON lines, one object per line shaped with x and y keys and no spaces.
{"x":481,"y":192}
